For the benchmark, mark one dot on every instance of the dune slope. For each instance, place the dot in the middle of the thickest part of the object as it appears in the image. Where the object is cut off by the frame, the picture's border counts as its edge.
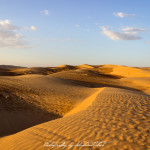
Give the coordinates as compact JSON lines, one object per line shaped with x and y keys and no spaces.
{"x":32,"y":99}
{"x":118,"y":117}
{"x":128,"y":71}
{"x":87,"y":103}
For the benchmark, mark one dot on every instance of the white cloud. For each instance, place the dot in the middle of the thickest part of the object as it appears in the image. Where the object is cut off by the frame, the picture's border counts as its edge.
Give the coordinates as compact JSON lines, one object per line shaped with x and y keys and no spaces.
{"x":131,"y":29}
{"x":9,"y":37}
{"x":77,"y":25}
{"x":122,"y":15}
{"x":5,"y":24}
{"x":120,"y":35}
{"x":45,"y":12}
{"x":31,"y":28}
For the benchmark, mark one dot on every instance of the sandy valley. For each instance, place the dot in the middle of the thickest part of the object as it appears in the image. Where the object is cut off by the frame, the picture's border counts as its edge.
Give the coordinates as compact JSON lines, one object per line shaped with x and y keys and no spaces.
{"x":75,"y":107}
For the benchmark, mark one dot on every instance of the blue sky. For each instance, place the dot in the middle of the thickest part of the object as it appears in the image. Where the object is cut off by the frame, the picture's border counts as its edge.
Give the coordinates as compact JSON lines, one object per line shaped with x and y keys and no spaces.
{"x":56,"y":32}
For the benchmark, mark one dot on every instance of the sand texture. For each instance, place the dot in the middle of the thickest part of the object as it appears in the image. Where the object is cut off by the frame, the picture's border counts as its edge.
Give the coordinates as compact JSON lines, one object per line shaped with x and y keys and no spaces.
{"x":76,"y":107}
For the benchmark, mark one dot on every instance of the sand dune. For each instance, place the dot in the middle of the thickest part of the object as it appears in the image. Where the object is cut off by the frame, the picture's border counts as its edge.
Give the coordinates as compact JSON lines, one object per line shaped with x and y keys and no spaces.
{"x":128,"y":71}
{"x":29,"y":100}
{"x":4,"y":71}
{"x":146,"y":68}
{"x":142,"y":83}
{"x":10,"y":67}
{"x":105,"y":103}
{"x":120,"y":118}
{"x":85,"y":66}
{"x":67,"y":66}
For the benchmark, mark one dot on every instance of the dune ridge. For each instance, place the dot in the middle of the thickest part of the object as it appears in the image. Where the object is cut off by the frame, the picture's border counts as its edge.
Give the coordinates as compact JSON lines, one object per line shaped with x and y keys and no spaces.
{"x":86,"y":103}
{"x":129,"y":71}
{"x":32,"y":99}
{"x":109,"y":104}
{"x":111,"y":118}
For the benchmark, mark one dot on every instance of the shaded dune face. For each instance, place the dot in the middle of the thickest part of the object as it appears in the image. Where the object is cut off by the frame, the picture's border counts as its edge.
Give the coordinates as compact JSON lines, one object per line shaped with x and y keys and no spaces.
{"x":17,"y":71}
{"x":111,"y":70}
{"x":118,"y":117}
{"x":94,"y":78}
{"x":74,"y":103}
{"x":6,"y":72}
{"x":17,"y":114}
{"x":29,"y":100}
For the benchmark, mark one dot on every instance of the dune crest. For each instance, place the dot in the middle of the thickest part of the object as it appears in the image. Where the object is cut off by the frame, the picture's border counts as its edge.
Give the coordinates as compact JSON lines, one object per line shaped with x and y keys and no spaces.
{"x":87,"y":103}
{"x":111,"y":118}
{"x":85,"y":66}
{"x":129,"y":71}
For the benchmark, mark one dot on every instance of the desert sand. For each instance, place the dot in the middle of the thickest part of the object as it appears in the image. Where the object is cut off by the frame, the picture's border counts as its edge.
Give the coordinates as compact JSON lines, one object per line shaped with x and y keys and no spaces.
{"x":75,"y":107}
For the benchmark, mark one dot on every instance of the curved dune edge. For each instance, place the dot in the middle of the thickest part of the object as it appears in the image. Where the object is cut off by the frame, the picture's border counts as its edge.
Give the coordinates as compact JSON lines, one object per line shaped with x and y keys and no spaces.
{"x":29,"y":100}
{"x":117,"y":116}
{"x":86,"y":103}
{"x":130,"y":72}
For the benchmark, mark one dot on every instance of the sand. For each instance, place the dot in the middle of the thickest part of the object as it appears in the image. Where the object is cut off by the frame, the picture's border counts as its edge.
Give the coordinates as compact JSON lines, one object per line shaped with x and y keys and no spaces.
{"x":129,"y":71}
{"x":33,"y":99}
{"x":93,"y":107}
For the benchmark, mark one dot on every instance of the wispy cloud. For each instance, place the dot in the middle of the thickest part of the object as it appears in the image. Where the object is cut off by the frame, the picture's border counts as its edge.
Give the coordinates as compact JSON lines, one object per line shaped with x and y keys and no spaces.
{"x":120,"y":35}
{"x":31,"y":28}
{"x":9,"y":37}
{"x":5,"y":24}
{"x":132,"y":29}
{"x":122,"y":15}
{"x":45,"y":12}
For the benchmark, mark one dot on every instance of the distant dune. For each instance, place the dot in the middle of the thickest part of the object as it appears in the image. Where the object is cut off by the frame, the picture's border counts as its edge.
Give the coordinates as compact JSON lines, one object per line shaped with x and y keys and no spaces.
{"x":10,"y":67}
{"x":129,"y":71}
{"x":105,"y":103}
{"x":85,"y":66}
{"x":146,"y":68}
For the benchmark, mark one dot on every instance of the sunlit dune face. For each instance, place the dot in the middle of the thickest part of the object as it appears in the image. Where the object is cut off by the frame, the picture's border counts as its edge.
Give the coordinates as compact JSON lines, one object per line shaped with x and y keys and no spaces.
{"x":74,"y":103}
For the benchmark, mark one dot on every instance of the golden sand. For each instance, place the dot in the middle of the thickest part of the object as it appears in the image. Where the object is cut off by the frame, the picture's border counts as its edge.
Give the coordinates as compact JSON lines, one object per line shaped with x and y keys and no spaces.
{"x":106,"y":104}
